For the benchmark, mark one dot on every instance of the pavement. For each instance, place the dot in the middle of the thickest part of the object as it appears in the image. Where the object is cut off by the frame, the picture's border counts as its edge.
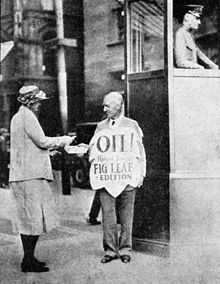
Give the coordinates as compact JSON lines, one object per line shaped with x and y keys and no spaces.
{"x":73,"y":252}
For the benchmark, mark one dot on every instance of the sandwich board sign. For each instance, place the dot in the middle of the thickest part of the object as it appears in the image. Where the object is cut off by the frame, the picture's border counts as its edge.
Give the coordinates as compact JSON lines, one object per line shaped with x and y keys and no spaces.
{"x":114,"y":155}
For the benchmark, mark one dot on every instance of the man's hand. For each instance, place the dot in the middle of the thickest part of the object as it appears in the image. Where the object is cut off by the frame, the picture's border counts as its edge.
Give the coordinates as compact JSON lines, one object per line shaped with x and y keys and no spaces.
{"x":214,"y":66}
{"x":199,"y":67}
{"x":83,"y":145}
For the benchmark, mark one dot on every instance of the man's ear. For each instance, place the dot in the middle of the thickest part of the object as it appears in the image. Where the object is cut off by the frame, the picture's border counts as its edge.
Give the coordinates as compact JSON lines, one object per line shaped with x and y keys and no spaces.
{"x":186,"y":17}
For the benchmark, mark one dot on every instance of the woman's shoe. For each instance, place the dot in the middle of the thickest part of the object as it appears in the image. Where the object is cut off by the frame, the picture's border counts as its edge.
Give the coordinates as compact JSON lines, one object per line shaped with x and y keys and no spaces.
{"x":38,"y":262}
{"x":32,"y":266}
{"x":34,"y":260}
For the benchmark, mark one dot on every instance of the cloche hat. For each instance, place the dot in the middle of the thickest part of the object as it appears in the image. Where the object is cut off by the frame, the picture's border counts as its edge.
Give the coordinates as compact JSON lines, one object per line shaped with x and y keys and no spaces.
{"x":31,"y":94}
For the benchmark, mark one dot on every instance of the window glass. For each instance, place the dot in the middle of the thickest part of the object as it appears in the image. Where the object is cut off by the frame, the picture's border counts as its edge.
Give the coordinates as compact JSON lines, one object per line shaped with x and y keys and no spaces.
{"x":147,"y":36}
{"x":207,"y":37}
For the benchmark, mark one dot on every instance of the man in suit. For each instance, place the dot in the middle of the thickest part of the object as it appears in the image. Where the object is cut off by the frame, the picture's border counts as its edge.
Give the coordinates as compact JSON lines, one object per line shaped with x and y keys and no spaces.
{"x":30,"y":175}
{"x":187,"y":53}
{"x":118,"y":166}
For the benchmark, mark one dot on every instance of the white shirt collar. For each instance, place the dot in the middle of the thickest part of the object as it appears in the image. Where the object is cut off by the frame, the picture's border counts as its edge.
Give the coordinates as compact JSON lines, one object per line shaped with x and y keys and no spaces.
{"x":116,"y":120}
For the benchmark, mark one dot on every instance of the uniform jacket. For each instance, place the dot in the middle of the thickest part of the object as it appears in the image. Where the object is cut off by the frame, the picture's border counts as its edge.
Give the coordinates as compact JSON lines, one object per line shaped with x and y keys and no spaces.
{"x":187,"y":53}
{"x":29,"y":147}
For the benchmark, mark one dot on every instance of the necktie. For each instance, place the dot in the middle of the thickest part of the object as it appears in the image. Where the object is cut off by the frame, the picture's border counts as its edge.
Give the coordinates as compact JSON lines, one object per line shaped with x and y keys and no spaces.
{"x":113,"y":122}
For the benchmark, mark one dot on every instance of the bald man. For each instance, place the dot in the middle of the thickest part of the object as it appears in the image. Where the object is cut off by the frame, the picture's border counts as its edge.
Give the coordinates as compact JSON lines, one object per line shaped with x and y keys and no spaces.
{"x":117,"y":127}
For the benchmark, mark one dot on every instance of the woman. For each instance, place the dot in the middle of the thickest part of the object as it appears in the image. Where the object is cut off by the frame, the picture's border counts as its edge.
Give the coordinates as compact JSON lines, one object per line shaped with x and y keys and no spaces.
{"x":30,"y":175}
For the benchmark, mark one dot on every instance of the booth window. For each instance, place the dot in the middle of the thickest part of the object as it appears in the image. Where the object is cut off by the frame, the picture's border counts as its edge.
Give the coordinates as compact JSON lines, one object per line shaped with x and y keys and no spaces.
{"x":147,"y":36}
{"x":207,"y":35}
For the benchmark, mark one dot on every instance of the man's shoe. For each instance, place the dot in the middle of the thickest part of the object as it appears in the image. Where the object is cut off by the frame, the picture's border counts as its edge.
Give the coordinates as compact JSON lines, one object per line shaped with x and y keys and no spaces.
{"x":93,"y":221}
{"x":107,"y":258}
{"x":125,"y":258}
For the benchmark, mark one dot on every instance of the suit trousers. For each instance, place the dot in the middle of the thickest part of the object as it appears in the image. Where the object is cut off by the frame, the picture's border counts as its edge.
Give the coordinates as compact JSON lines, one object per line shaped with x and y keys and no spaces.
{"x":112,"y":243}
{"x":96,"y":206}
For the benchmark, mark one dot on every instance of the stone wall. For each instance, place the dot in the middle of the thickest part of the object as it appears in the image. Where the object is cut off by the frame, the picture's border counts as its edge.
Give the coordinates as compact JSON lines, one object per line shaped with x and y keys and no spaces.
{"x":99,"y":58}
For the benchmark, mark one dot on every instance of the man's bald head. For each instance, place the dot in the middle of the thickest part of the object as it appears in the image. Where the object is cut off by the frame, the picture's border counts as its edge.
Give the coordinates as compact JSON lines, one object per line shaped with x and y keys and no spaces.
{"x":114,"y":97}
{"x":113,"y":104}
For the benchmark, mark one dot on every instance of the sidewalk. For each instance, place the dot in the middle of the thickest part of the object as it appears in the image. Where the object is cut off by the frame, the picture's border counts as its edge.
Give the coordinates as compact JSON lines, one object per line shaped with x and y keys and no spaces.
{"x":73,"y":252}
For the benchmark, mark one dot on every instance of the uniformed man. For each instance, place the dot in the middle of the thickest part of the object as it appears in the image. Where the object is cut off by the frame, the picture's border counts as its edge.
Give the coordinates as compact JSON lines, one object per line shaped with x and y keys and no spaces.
{"x":187,"y":53}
